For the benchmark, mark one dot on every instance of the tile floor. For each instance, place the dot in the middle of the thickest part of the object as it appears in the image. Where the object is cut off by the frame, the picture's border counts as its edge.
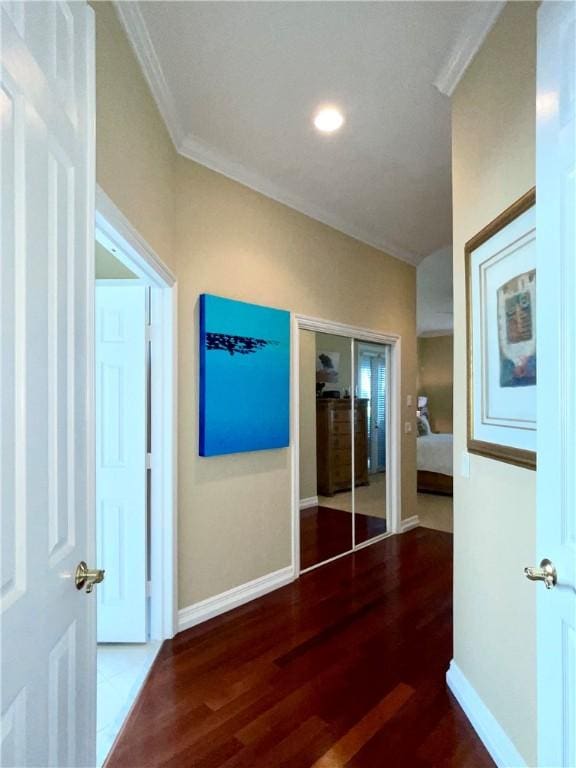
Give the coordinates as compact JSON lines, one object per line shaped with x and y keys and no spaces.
{"x":122,"y":669}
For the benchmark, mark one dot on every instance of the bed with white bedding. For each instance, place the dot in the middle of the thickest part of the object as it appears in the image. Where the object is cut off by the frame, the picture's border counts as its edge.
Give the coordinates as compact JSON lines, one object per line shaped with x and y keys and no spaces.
{"x":434,"y":463}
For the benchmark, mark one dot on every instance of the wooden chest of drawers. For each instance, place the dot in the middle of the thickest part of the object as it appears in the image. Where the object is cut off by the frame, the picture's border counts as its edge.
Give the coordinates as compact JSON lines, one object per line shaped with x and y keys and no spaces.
{"x":334,"y":444}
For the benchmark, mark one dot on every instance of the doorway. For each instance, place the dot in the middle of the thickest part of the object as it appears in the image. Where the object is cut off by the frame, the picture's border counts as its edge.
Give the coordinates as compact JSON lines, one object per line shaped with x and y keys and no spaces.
{"x":346,"y":490}
{"x":135,"y":459}
{"x":125,"y":651}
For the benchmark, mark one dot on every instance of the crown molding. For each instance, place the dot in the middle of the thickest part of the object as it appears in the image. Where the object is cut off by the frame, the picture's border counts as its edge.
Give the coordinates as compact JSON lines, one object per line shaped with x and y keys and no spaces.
{"x":137,"y":33}
{"x":193,"y":148}
{"x":467,"y":45}
{"x":200,"y":152}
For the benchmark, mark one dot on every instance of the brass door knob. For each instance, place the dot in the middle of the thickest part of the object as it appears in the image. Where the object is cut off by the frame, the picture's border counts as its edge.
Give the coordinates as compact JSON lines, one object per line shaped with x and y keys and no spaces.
{"x":546,"y":573}
{"x":85,"y":577}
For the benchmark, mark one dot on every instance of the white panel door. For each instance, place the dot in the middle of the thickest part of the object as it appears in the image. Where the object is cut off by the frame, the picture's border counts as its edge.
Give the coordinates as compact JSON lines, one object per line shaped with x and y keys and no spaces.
{"x":46,"y":372}
{"x":121,"y":461}
{"x":556,"y":275}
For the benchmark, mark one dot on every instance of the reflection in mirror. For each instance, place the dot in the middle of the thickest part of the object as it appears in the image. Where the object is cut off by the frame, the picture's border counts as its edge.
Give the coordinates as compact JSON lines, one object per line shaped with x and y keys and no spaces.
{"x":325,"y":447}
{"x":371,"y":367}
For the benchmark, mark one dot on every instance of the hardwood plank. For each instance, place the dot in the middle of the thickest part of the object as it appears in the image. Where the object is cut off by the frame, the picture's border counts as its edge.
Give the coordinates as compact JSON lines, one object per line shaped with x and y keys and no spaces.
{"x":346,"y":666}
{"x":281,"y":745}
{"x":347,"y":746}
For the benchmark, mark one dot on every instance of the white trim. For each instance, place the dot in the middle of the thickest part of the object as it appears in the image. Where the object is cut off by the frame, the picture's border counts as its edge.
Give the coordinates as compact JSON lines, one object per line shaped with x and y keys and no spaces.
{"x":409,"y":523}
{"x":295,"y":443}
{"x":137,"y":33}
{"x":394,"y":450}
{"x":201,"y":152}
{"x":467,"y":45}
{"x":233,"y":598}
{"x":116,"y":233}
{"x":491,"y":733}
{"x":330,"y":560}
{"x":164,"y":363}
{"x":311,"y":501}
{"x":308,"y":323}
{"x":375,"y":540}
{"x":127,"y":244}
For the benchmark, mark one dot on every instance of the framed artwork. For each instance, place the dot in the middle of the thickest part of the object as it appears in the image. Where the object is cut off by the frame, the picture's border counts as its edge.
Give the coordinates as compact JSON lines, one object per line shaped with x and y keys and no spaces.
{"x":502,"y":343}
{"x":244,"y":377}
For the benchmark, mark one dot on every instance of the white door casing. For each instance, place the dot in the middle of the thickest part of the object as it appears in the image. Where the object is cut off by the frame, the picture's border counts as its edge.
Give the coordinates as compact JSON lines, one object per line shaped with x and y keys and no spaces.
{"x":121,"y":460}
{"x":116,"y":233}
{"x":46,"y":370}
{"x":556,"y":475}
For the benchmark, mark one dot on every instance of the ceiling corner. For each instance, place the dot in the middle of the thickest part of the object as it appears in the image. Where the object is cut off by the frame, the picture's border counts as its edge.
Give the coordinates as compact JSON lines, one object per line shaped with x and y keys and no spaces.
{"x":136,"y":31}
{"x":467,"y":46}
{"x":195,"y":149}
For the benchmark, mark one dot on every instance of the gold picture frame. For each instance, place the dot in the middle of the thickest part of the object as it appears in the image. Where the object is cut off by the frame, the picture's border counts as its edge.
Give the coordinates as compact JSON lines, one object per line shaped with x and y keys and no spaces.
{"x":500,"y":451}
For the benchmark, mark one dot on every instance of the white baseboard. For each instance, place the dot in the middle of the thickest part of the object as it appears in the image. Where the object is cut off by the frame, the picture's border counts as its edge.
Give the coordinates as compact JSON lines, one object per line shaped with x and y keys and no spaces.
{"x":408,"y":523}
{"x":232,"y":598}
{"x":491,"y":733}
{"x":311,"y":501}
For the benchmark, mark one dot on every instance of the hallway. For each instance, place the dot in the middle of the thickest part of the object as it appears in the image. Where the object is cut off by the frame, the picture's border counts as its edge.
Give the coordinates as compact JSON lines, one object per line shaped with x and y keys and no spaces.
{"x":344,"y":667}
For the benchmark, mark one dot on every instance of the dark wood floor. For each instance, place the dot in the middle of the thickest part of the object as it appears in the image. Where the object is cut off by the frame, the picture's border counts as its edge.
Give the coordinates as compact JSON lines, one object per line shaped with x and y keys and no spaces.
{"x":327,"y":532}
{"x":344,"y":667}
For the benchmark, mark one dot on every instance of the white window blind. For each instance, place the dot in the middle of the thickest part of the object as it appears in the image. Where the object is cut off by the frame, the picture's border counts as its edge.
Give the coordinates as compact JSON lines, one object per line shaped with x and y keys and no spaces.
{"x":372,"y":387}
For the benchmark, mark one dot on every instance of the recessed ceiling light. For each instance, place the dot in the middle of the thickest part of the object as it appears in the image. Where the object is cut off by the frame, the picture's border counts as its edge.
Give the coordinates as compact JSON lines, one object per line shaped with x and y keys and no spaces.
{"x":328,"y":119}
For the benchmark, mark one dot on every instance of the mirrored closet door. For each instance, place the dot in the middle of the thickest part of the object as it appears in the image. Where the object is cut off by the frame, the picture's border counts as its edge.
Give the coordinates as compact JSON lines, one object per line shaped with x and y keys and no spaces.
{"x":371,"y":440}
{"x":326,"y":522}
{"x":343,"y":444}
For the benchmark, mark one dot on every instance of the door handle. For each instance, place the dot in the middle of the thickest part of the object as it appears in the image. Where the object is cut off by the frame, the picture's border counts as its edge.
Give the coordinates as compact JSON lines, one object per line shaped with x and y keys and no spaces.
{"x":546,"y":573}
{"x":85,"y":577}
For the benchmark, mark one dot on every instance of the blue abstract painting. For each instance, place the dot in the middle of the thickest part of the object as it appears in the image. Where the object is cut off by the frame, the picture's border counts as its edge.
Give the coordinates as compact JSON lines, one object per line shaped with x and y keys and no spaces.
{"x":244,"y":377}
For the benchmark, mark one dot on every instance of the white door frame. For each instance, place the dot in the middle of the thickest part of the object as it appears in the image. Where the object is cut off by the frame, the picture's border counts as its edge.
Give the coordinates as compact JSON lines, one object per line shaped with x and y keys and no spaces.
{"x":116,"y":233}
{"x":393,"y":486}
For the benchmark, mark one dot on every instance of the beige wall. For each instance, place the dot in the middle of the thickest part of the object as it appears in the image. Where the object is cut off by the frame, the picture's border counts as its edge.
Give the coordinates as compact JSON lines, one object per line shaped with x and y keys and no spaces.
{"x":107,"y":265}
{"x":234,"y":511}
{"x":494,"y":511}
{"x":436,"y":378}
{"x":135,"y":158}
{"x":308,"y":480}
